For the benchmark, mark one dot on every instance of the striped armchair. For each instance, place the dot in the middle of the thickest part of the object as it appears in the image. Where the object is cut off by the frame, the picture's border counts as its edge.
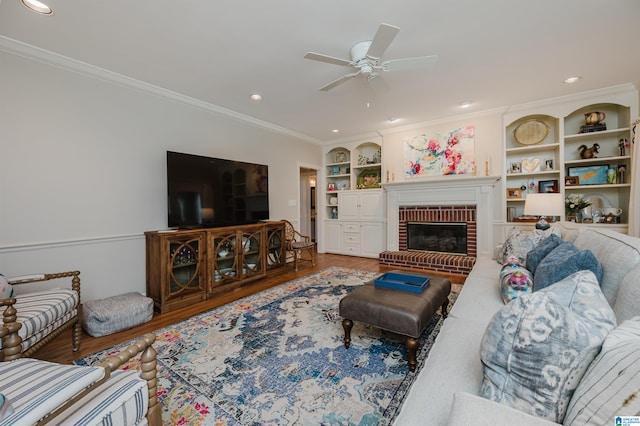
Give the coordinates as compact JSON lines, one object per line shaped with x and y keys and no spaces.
{"x":41,"y":392}
{"x":38,"y":317}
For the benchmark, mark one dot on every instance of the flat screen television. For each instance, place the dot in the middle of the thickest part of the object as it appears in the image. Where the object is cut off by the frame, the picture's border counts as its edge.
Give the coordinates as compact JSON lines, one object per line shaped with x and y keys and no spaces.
{"x":210,"y":192}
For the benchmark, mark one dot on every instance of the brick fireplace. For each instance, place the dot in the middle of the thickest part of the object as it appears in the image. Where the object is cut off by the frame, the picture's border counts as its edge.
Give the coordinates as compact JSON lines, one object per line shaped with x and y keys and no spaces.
{"x":441,"y":200}
{"x":434,"y":260}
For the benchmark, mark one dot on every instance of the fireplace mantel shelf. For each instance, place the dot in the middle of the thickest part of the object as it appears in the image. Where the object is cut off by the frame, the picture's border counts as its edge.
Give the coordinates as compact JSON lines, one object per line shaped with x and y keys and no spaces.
{"x":458,"y":180}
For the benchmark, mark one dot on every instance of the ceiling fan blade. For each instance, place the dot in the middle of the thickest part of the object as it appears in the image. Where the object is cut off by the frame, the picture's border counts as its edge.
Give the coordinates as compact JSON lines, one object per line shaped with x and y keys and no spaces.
{"x":338,"y":81}
{"x":324,"y":58}
{"x":383,"y":38}
{"x":420,"y":62}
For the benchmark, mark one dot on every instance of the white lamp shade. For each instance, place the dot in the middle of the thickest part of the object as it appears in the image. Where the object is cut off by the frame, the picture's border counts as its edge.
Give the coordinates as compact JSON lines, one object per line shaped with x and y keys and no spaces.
{"x":544,"y":204}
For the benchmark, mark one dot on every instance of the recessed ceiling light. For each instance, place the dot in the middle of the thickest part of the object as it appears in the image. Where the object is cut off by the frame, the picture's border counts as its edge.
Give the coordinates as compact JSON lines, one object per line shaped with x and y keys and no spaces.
{"x":465,"y":104}
{"x":256,"y":97}
{"x":335,"y":130}
{"x":393,"y":119}
{"x":572,"y":80}
{"x":37,"y":7}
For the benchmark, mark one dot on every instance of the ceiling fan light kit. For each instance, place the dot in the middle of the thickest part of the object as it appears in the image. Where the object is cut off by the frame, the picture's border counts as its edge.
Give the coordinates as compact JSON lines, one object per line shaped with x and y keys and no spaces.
{"x":366,"y":58}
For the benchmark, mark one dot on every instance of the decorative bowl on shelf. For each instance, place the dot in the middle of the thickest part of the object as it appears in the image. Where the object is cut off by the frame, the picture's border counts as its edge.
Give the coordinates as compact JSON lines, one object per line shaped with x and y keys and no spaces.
{"x":333,"y":201}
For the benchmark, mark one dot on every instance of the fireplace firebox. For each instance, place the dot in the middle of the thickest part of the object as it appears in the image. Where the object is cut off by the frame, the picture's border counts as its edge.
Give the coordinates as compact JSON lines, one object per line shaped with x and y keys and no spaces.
{"x":440,"y":237}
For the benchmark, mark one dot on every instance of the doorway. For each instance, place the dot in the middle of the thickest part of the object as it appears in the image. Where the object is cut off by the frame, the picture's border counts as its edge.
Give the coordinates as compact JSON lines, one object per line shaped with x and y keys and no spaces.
{"x":308,"y":202}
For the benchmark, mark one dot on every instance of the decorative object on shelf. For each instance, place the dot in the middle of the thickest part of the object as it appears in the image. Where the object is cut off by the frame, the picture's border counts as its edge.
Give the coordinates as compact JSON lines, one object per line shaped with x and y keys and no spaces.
{"x":612,"y":210}
{"x":548,"y":186}
{"x":511,"y":214}
{"x":611,"y":175}
{"x":514,"y":193}
{"x":531,"y":132}
{"x":335,"y":170}
{"x":437,"y":155}
{"x":333,"y":201}
{"x":369,"y":178}
{"x":331,"y":187}
{"x":515,"y":167}
{"x":598,"y":202}
{"x":340,"y":157}
{"x":573,"y":204}
{"x":531,"y":165}
{"x":548,"y":164}
{"x":622,"y":146}
{"x":586,"y":153}
{"x":590,"y":175}
{"x":334,"y":213}
{"x":571,"y":181}
{"x":543,"y":205}
{"x":594,"y":117}
{"x":622,"y":168}
{"x":342,"y":186}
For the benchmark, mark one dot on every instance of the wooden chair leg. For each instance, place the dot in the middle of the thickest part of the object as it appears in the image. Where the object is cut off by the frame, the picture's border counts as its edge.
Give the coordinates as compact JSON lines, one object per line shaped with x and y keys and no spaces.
{"x":77,"y":331}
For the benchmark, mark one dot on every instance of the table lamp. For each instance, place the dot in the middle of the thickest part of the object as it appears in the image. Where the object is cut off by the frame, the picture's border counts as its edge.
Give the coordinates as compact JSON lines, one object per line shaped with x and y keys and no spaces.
{"x":543,"y":205}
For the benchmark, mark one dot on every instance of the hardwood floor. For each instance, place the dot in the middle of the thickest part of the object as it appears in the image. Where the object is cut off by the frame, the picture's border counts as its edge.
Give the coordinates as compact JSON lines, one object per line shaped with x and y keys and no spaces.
{"x":60,"y":349}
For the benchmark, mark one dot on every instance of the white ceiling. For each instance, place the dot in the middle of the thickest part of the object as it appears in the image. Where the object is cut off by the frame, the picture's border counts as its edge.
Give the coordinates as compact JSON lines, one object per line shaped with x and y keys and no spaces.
{"x":494,"y":53}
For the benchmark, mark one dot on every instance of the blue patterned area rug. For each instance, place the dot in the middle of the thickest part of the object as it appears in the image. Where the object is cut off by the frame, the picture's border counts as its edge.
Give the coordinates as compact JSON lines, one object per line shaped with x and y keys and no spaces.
{"x":277,"y":358}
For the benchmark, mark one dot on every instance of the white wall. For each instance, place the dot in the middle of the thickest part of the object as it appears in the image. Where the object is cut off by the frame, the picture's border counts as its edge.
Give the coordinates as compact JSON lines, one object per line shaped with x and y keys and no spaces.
{"x":83,"y":173}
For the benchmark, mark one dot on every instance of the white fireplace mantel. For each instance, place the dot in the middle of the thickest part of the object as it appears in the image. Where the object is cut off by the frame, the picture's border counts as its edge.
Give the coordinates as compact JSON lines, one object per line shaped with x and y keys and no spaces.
{"x":445,"y":190}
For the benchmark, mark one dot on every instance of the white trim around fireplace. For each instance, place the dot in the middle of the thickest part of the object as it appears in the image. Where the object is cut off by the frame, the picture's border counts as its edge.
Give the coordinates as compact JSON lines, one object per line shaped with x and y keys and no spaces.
{"x":446,"y":190}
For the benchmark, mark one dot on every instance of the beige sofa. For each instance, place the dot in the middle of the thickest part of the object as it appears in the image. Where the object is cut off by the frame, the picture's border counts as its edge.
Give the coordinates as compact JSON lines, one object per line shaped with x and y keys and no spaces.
{"x":447,"y":389}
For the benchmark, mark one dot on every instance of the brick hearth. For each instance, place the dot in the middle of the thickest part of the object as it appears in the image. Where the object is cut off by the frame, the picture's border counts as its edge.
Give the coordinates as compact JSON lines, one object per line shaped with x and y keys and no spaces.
{"x":450,"y":263}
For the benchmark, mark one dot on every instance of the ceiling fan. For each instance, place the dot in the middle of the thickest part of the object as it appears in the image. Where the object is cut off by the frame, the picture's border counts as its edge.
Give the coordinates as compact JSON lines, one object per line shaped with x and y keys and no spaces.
{"x":366,"y":58}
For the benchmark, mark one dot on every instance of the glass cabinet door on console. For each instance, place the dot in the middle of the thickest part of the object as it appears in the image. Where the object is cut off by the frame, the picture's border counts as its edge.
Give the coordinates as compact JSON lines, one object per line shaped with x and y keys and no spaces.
{"x":185,"y":273}
{"x":176,"y":269}
{"x":224,"y":258}
{"x":275,"y":246}
{"x":251,"y":253}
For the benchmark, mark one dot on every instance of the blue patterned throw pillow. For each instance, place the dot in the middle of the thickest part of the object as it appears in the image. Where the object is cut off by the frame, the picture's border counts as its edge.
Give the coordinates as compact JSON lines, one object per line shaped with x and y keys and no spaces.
{"x":515,"y":280}
{"x":536,"y":349}
{"x":563,"y":261}
{"x":539,"y":252}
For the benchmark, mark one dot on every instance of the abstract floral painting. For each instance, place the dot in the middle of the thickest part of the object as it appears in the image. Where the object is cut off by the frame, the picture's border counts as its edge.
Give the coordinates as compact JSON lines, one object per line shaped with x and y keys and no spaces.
{"x":437,"y":155}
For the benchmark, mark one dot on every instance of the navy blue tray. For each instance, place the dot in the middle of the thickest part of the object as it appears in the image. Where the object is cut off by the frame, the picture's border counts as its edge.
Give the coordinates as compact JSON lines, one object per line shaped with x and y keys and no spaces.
{"x":404,"y":282}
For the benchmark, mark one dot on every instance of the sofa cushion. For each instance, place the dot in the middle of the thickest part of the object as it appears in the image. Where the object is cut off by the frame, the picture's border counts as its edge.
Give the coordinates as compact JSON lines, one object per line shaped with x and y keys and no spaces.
{"x":618,"y":254}
{"x":563,"y":261}
{"x":518,"y":243}
{"x":627,"y":306}
{"x":515,"y":280}
{"x":536,"y":348}
{"x":610,"y":386}
{"x":6,"y":289}
{"x":539,"y":252}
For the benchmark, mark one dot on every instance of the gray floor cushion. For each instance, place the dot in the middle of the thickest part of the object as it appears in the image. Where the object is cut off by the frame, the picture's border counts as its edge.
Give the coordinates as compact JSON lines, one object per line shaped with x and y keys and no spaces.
{"x":106,"y":316}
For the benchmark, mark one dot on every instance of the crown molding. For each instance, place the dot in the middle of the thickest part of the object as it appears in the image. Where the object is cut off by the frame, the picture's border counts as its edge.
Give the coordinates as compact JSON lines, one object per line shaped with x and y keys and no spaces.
{"x":18,"y":48}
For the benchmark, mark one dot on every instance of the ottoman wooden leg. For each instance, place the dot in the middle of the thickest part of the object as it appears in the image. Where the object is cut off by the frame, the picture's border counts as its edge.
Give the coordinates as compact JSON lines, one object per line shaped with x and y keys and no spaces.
{"x":445,"y":308}
{"x":412,"y":347}
{"x":347,"y":324}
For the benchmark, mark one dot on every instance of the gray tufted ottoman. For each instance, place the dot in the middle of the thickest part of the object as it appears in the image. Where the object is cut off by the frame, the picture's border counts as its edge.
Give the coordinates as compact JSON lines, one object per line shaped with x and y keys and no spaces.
{"x":398,"y":311}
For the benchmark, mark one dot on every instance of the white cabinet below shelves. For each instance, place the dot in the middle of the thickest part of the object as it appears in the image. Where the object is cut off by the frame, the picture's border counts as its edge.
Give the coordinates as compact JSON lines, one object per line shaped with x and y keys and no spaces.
{"x":361,"y":205}
{"x":366,"y":239}
{"x":333,"y":236}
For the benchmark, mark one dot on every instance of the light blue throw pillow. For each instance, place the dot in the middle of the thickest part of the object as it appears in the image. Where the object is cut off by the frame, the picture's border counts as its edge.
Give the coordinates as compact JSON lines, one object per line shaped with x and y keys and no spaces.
{"x":563,"y":261}
{"x":539,"y":252}
{"x":536,"y":349}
